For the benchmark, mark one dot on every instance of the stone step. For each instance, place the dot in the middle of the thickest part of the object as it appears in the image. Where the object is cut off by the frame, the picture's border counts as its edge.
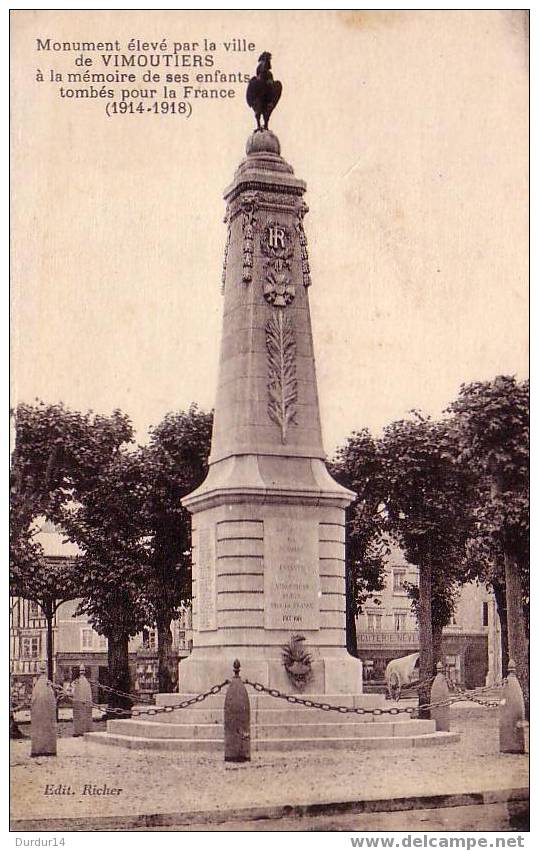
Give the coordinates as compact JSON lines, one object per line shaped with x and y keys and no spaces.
{"x":290,"y":731}
{"x":259,"y":700}
{"x":258,"y":745}
{"x":287,"y":713}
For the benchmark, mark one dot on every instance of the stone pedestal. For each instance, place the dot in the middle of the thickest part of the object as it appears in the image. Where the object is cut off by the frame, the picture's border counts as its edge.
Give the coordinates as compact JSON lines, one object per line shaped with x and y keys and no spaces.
{"x":82,"y":705}
{"x":268,"y":522}
{"x":512,"y":715}
{"x":43,"y":718}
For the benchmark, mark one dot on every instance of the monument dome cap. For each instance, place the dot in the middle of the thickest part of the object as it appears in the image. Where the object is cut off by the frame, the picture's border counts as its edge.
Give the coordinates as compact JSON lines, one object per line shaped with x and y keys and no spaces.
{"x":263,"y":141}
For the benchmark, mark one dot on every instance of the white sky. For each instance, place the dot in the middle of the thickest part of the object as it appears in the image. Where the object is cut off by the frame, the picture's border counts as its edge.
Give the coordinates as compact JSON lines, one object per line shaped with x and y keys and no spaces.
{"x":411,"y":131}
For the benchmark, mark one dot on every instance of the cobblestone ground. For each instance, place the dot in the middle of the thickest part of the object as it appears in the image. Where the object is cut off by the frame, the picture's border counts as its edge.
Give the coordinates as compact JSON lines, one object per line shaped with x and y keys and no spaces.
{"x":485,"y":817}
{"x":153,"y":782}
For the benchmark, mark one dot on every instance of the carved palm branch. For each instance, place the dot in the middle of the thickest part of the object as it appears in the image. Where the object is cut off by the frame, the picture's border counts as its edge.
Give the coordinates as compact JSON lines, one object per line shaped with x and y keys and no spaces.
{"x":282,"y":383}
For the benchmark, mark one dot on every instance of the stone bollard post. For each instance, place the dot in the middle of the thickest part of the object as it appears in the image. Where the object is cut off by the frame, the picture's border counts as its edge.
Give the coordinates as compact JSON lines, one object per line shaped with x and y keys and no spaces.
{"x":237,"y":720}
{"x":82,"y":704}
{"x":440,"y":692}
{"x":512,"y":739}
{"x":43,"y":717}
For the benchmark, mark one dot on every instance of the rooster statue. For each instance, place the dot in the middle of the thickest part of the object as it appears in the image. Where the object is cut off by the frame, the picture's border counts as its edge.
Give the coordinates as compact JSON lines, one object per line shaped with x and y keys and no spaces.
{"x":263,"y":92}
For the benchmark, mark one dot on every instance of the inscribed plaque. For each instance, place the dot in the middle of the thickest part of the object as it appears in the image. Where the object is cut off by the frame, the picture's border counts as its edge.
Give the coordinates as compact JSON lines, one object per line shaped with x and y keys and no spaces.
{"x":291,"y":574}
{"x":206,"y":587}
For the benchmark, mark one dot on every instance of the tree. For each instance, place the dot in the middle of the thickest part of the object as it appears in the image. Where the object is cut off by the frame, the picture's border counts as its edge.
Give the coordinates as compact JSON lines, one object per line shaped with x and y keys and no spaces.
{"x":49,"y":582}
{"x":357,"y":467}
{"x":485,"y":563}
{"x":55,"y":450}
{"x":444,"y":597}
{"x":54,"y":453}
{"x":136,"y":538}
{"x":492,"y":419}
{"x":427,"y":508}
{"x":107,"y":523}
{"x":174,"y":463}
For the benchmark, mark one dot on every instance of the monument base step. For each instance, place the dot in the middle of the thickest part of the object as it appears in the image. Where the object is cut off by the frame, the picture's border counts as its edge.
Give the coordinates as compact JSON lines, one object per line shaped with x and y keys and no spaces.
{"x":260,"y":700}
{"x":262,"y":731}
{"x":262,"y":745}
{"x":286,"y":714}
{"x":276,"y":724}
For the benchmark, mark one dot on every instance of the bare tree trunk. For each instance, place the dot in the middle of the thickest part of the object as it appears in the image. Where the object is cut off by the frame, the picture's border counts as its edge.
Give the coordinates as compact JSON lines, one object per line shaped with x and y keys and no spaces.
{"x":426,"y":664}
{"x":166,"y":673}
{"x":351,"y":633}
{"x":47,"y":606}
{"x":48,"y":611}
{"x":516,"y":626}
{"x":436,"y":645}
{"x":498,"y":589}
{"x":119,"y":677}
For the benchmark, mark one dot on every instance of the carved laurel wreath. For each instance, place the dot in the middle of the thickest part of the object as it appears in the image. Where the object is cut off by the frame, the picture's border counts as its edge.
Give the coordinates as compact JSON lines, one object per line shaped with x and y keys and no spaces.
{"x":282,"y":381}
{"x":297,"y":661}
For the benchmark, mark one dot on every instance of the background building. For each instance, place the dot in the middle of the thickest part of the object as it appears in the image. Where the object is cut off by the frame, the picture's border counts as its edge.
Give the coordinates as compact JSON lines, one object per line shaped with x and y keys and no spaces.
{"x":75,"y":642}
{"x":387,"y":629}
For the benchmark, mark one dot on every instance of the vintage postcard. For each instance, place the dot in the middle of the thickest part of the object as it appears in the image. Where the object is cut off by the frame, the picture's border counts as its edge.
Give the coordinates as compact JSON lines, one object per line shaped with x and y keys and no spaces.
{"x":269,"y":563}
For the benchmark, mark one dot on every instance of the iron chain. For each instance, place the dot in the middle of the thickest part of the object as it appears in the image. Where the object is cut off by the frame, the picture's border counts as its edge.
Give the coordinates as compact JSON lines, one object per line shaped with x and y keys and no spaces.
{"x":158,"y":710}
{"x":295,"y":699}
{"x":116,"y":691}
{"x":21,"y":707}
{"x":418,"y":685}
{"x":328,"y":707}
{"x":154,"y":710}
{"x":360,"y":710}
{"x":482,"y":689}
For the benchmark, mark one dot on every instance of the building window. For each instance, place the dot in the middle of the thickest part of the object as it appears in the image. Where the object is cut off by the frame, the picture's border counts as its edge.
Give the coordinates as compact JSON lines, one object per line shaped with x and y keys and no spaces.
{"x":453,"y":668}
{"x":400,"y":621}
{"x":149,"y":638}
{"x":34,"y":611}
{"x":31,"y":647}
{"x":87,"y":639}
{"x":374,"y":621}
{"x":485,"y":614}
{"x":102,"y":642}
{"x":399,"y":578}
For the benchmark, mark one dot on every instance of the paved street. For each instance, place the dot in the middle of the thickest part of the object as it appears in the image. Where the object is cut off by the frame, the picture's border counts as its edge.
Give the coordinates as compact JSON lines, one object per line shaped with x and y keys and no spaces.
{"x":498,"y":817}
{"x":158,"y":782}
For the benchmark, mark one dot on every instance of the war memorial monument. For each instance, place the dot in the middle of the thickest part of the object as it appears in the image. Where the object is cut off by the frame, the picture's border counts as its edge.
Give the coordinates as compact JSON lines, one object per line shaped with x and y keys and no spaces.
{"x":268,"y":522}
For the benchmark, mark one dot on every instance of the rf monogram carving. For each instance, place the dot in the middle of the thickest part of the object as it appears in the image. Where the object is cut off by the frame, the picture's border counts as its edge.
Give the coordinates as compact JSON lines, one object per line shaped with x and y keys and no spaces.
{"x":278,"y":247}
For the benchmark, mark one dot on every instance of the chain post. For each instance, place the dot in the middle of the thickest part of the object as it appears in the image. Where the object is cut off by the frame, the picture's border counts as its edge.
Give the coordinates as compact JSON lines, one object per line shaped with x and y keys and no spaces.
{"x":237,"y":720}
{"x":439,"y":696}
{"x":82,"y":704}
{"x":512,"y":714}
{"x":43,"y":716}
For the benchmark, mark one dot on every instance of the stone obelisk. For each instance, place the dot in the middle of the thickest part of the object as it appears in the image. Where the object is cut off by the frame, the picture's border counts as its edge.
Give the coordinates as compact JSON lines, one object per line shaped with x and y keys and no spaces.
{"x":268,"y":521}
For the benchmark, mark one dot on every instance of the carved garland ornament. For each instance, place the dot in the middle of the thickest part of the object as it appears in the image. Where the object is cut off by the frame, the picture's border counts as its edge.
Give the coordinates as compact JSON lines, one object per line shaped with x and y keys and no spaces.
{"x":301,"y":210}
{"x":249,"y":205}
{"x":226,"y":220}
